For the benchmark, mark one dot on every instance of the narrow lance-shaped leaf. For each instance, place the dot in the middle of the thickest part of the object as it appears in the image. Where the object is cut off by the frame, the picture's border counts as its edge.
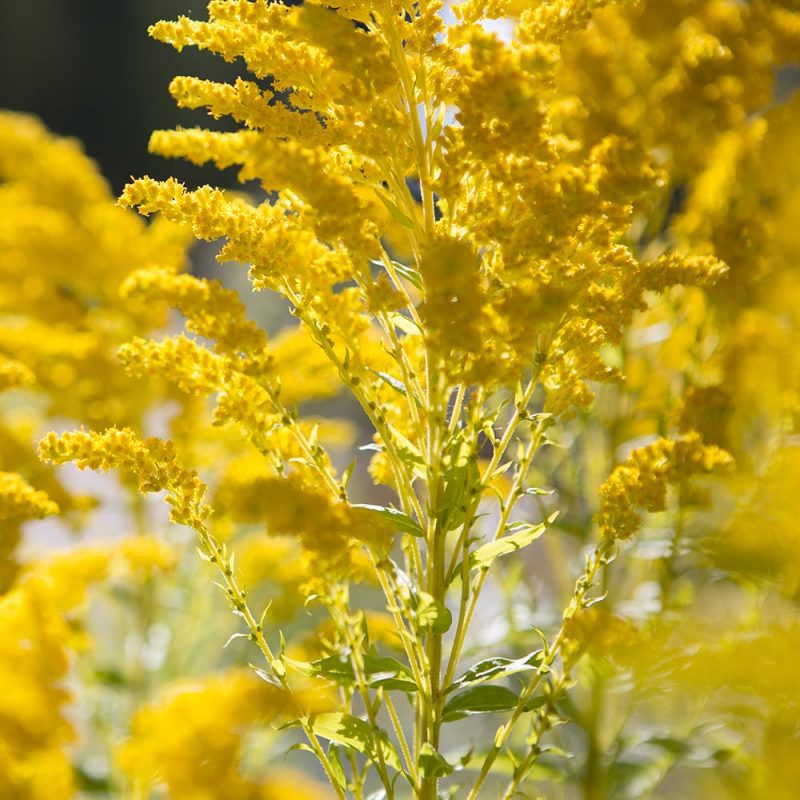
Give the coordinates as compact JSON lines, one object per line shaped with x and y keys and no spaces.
{"x":485,"y":555}
{"x":405,"y":271}
{"x":356,"y":734}
{"x":380,"y":672}
{"x":392,"y":208}
{"x":479,"y":700}
{"x":399,"y":519}
{"x":494,"y":668}
{"x":337,"y":768}
{"x":390,"y":380}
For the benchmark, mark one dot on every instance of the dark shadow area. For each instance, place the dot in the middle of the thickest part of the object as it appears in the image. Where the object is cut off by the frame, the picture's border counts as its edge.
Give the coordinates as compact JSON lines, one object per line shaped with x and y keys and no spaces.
{"x":88,"y":69}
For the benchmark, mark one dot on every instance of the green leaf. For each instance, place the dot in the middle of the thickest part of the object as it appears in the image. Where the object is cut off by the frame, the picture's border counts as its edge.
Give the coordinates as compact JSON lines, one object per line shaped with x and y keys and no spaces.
{"x":519,"y":395}
{"x":403,"y":270}
{"x":409,"y":273}
{"x":409,"y":454}
{"x":484,"y":556}
{"x":439,"y":116}
{"x":348,"y":473}
{"x":334,"y":668}
{"x":432,"y":615}
{"x":265,"y":676}
{"x":234,"y":636}
{"x":671,"y":744}
{"x":507,"y":762}
{"x":389,"y":674}
{"x":400,"y":520}
{"x":552,"y":750}
{"x":278,"y":666}
{"x":396,"y":213}
{"x":535,"y":702}
{"x":504,"y":764}
{"x":404,"y":323}
{"x":337,"y":768}
{"x":433,"y":764}
{"x":202,"y":553}
{"x":501,"y":470}
{"x":390,"y":380}
{"x":479,"y":700}
{"x":355,"y":733}
{"x":460,"y":474}
{"x":380,"y":671}
{"x":498,"y":667}
{"x":302,"y":746}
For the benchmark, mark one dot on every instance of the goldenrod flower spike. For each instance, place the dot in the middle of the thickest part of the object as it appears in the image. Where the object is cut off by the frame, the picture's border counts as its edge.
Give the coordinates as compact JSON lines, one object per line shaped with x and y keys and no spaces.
{"x":641,"y":482}
{"x":152,"y":462}
{"x":211,"y":311}
{"x":19,"y":500}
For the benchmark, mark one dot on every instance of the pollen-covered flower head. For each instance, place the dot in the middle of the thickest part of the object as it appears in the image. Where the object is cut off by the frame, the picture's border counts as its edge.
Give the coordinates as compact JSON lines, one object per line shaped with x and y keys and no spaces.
{"x":65,"y":249}
{"x":513,"y":223}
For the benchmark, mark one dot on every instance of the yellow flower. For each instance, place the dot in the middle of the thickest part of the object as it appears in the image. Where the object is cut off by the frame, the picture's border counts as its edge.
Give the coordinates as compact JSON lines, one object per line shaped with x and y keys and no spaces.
{"x":36,"y":639}
{"x":191,"y":740}
{"x":19,"y":500}
{"x":641,"y":481}
{"x":14,"y":375}
{"x":143,"y":556}
{"x":65,"y":250}
{"x":152,"y":462}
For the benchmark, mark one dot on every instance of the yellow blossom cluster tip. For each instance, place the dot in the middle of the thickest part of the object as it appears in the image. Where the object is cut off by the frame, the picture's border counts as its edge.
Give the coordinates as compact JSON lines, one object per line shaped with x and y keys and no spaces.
{"x":641,"y":482}
{"x":19,"y":500}
{"x":210,"y":310}
{"x":152,"y":462}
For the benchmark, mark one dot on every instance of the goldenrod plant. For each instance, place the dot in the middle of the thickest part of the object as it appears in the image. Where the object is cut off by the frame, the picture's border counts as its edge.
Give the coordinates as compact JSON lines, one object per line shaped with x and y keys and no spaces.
{"x":545,"y":250}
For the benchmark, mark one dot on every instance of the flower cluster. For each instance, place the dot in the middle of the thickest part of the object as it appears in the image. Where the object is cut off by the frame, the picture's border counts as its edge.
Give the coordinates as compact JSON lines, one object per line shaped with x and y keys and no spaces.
{"x":642,"y":481}
{"x":515,"y":256}
{"x":191,"y":739}
{"x":152,"y":462}
{"x":41,"y":629}
{"x":65,"y":249}
{"x":19,"y":499}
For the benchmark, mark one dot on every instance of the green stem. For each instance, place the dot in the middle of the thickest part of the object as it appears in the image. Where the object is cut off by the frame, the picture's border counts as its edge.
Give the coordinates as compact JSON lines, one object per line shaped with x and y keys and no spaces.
{"x":582,"y":586}
{"x":467,"y":610}
{"x":411,"y":764}
{"x":363,"y":689}
{"x":593,"y":781}
{"x":357,"y":782}
{"x":436,"y":538}
{"x":218,"y":555}
{"x":404,"y":488}
{"x":524,"y":767}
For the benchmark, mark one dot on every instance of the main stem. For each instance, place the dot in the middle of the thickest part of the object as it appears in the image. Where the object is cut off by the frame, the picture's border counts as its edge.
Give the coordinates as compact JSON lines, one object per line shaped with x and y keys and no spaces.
{"x":435,"y":576}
